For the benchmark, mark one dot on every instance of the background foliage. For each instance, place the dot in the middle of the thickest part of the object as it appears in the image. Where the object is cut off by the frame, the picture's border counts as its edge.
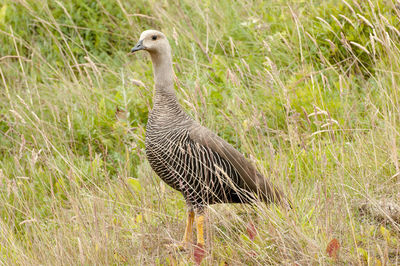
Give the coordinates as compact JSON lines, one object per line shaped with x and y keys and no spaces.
{"x":307,"y":89}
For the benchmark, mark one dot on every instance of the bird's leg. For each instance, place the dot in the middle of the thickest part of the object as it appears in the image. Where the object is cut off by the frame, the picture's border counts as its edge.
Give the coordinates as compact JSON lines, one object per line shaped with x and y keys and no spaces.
{"x":187,"y":238}
{"x":200,"y":228}
{"x":199,"y":250}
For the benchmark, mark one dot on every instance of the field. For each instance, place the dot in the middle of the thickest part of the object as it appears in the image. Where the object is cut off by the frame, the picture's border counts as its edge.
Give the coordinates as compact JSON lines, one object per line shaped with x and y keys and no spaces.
{"x":308,"y":90}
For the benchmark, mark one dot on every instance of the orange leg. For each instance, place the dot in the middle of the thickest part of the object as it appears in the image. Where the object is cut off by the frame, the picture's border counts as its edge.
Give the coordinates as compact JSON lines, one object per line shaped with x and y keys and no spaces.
{"x":199,"y":249}
{"x":187,"y":238}
{"x":200,"y":229}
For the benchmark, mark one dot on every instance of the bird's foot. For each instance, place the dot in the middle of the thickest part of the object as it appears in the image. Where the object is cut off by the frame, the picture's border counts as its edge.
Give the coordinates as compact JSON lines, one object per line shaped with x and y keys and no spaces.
{"x":199,"y":253}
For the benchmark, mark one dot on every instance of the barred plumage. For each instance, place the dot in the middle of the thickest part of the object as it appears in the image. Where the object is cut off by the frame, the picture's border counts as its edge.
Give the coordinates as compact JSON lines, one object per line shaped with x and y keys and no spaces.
{"x":189,"y":157}
{"x":199,"y":173}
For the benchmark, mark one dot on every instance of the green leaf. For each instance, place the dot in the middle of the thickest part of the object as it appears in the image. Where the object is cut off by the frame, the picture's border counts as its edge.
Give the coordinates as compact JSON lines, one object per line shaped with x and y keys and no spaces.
{"x":135,"y":184}
{"x":3,"y":11}
{"x":385,"y":233}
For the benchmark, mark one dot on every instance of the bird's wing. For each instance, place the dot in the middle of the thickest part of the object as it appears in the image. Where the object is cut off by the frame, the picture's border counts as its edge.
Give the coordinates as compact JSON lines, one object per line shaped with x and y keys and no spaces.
{"x":255,"y":181}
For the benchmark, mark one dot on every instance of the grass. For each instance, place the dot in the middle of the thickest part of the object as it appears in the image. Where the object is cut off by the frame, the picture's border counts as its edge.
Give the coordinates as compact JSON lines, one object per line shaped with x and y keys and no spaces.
{"x":308,"y":90}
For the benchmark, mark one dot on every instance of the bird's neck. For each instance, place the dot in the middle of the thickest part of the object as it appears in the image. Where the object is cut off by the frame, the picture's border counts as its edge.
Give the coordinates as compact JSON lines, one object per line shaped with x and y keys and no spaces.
{"x":163,"y":78}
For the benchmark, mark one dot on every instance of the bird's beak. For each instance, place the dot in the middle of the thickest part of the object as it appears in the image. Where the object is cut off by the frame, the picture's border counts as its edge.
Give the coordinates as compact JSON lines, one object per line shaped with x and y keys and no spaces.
{"x":138,"y":46}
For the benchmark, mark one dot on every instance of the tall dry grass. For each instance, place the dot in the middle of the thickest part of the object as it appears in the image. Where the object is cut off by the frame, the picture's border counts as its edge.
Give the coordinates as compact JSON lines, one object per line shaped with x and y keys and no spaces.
{"x":307,"y":90}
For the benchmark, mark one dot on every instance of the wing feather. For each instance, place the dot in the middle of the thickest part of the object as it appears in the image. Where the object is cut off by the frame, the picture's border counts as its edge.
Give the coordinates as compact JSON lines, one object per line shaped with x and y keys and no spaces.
{"x":254,"y":180}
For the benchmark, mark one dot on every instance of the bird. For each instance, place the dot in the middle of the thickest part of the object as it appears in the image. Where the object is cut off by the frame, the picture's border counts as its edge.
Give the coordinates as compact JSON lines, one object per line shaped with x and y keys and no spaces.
{"x":188,"y":156}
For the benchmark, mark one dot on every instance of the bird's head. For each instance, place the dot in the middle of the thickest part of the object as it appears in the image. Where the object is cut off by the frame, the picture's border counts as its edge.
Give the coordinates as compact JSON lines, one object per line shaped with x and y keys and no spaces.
{"x":152,"y":41}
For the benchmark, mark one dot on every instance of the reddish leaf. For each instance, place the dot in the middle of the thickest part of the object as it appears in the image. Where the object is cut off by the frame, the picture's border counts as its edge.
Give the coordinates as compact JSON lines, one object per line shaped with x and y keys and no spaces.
{"x":251,"y":230}
{"x":199,"y":253}
{"x":333,"y":248}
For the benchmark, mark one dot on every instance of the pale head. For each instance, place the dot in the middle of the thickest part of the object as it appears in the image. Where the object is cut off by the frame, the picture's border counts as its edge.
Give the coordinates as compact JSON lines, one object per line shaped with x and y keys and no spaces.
{"x":152,"y":41}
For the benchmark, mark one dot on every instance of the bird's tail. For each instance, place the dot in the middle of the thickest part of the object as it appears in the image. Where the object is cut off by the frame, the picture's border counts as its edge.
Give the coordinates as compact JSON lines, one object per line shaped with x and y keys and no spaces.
{"x":272,"y":194}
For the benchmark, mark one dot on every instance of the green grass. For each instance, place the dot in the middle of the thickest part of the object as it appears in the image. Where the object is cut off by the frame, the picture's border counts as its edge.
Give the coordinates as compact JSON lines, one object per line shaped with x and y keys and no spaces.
{"x":307,"y":89}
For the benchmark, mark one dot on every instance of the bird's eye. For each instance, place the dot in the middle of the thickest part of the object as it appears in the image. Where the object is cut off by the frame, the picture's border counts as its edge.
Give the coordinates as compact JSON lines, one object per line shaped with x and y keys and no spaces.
{"x":154,"y":37}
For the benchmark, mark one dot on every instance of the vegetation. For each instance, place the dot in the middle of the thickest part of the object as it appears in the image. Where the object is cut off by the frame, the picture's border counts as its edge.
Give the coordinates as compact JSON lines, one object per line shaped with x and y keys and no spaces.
{"x":309,"y":90}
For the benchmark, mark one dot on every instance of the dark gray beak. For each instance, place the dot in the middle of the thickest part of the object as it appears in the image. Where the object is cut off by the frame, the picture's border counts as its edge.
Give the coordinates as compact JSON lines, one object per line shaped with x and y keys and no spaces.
{"x":138,"y":46}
